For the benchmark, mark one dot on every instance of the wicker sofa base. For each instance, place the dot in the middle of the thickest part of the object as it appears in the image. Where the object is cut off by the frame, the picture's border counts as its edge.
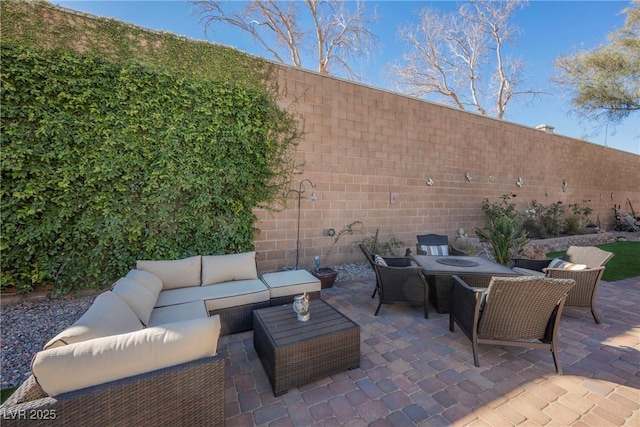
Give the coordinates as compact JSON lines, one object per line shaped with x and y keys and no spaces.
{"x":188,"y":394}
{"x":238,"y":319}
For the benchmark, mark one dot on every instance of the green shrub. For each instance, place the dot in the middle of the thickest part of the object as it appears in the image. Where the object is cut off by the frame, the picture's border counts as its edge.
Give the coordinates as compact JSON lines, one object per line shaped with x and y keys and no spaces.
{"x":103,"y":164}
{"x":502,"y":229}
{"x":505,"y":238}
{"x":544,"y":221}
{"x":506,"y":208}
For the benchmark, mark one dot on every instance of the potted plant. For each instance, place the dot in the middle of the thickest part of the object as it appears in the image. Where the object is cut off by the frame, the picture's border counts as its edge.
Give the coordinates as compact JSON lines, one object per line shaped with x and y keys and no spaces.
{"x":505,"y":238}
{"x":327,"y":275}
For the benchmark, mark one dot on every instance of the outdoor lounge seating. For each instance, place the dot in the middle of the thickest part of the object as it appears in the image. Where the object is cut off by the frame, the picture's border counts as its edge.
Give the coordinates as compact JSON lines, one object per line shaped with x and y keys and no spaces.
{"x":401,"y":285}
{"x":584,"y":264}
{"x":432,"y":244}
{"x":390,"y":261}
{"x":510,"y":311}
{"x":157,"y":328}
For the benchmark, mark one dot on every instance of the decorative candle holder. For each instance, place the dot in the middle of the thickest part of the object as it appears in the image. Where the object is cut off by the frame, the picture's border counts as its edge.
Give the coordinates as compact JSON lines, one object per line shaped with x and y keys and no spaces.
{"x":301,"y":306}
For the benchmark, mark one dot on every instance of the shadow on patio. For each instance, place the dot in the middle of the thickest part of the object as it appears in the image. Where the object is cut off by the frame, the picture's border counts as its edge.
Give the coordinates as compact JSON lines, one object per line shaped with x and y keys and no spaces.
{"x":413,"y":371}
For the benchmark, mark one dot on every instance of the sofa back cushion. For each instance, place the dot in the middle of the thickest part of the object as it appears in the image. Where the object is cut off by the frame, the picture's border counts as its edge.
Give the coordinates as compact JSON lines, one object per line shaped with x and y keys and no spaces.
{"x":227,"y":268}
{"x":101,"y":360}
{"x":138,"y":296}
{"x":108,"y":315}
{"x":148,"y":279}
{"x":174,"y":274}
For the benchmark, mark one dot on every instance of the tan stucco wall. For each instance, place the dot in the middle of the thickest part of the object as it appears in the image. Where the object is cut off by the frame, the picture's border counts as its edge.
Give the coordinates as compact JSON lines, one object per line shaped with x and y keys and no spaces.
{"x":362,"y":144}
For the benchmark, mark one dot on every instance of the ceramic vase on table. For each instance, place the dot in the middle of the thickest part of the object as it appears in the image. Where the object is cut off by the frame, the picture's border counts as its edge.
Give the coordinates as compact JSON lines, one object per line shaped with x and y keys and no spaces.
{"x":301,"y":306}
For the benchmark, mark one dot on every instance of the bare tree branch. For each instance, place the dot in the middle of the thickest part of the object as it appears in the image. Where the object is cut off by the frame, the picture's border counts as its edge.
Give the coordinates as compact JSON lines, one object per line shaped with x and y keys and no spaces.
{"x":459,"y":58}
{"x":339,"y":34}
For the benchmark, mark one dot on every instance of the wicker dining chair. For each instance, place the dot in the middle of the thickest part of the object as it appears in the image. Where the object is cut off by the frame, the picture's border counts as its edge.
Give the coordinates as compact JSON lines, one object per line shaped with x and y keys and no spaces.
{"x":402,"y":285}
{"x":512,"y":311}
{"x":390,"y":261}
{"x":432,"y":244}
{"x":583,"y":295}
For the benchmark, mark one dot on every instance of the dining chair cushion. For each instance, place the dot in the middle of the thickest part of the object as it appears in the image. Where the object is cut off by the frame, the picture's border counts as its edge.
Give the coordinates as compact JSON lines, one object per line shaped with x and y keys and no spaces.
{"x":564,"y":265}
{"x":435,"y":250}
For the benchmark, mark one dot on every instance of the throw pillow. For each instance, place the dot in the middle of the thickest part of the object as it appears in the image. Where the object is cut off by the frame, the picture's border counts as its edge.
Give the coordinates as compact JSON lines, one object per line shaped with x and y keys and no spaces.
{"x":380,"y":261}
{"x":435,"y":250}
{"x":559,"y":264}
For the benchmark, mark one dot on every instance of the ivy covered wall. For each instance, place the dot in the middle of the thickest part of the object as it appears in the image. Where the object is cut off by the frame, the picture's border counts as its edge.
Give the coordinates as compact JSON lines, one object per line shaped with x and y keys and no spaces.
{"x":107,"y":159}
{"x":42,"y":25}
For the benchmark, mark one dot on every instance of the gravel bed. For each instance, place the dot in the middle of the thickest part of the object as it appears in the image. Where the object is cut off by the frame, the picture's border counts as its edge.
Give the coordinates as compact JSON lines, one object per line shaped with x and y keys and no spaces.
{"x":28,"y":323}
{"x":25,"y":327}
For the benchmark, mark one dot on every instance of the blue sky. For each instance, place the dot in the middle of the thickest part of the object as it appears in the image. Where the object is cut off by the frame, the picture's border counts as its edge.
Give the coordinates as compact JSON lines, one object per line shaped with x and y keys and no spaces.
{"x":547,"y":29}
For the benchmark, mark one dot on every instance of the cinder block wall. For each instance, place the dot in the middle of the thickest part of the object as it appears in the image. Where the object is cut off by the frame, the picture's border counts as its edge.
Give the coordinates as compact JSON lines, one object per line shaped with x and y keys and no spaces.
{"x":362,"y":146}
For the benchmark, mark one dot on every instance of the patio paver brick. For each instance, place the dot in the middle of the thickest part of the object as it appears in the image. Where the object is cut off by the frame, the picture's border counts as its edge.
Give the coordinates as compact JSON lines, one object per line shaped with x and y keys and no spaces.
{"x":414,"y":372}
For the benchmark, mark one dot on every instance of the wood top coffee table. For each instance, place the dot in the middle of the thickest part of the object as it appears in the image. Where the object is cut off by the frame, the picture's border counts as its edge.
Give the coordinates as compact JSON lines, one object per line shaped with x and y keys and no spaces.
{"x":439,"y":270}
{"x":294,"y":353}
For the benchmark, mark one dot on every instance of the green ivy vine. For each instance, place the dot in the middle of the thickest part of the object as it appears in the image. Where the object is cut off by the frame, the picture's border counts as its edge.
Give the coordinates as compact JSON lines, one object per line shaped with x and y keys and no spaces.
{"x":104,"y":163}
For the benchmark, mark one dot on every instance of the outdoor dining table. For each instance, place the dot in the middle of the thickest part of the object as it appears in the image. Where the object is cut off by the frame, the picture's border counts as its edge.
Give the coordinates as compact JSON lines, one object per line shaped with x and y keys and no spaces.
{"x":439,"y":269}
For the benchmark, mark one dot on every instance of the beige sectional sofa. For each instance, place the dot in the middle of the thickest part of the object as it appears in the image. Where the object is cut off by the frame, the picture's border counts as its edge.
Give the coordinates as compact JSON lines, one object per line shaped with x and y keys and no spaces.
{"x":151,"y":342}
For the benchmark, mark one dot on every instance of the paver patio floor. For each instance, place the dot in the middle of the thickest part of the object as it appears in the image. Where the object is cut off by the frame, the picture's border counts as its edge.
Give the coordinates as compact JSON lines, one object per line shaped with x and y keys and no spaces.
{"x":413,"y":371}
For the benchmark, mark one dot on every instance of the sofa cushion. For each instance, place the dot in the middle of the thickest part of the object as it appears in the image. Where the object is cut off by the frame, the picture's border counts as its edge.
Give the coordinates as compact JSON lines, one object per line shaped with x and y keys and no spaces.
{"x":294,"y":282}
{"x":178,"y":313}
{"x":240,"y":291}
{"x":565,"y":265}
{"x":150,"y":280}
{"x":175,"y":273}
{"x":84,"y":364}
{"x":226,"y":268}
{"x":237,"y":293}
{"x":139,"y":297}
{"x":108,"y":315}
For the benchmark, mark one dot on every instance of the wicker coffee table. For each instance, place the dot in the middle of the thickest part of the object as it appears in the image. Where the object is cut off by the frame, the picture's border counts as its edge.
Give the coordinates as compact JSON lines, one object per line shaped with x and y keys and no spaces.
{"x":294,"y":353}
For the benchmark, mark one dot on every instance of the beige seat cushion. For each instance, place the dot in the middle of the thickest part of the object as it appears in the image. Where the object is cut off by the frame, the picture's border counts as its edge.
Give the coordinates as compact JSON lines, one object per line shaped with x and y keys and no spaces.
{"x":84,"y":364}
{"x":226,"y":268}
{"x":175,"y":273}
{"x":294,"y":282}
{"x":243,"y":291}
{"x":237,"y":293}
{"x":178,"y":313}
{"x":108,"y":315}
{"x":138,"y":296}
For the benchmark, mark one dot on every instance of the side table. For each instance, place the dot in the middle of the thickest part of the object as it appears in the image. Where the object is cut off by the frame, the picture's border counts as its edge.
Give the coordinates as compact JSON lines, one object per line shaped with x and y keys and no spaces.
{"x":294,"y":353}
